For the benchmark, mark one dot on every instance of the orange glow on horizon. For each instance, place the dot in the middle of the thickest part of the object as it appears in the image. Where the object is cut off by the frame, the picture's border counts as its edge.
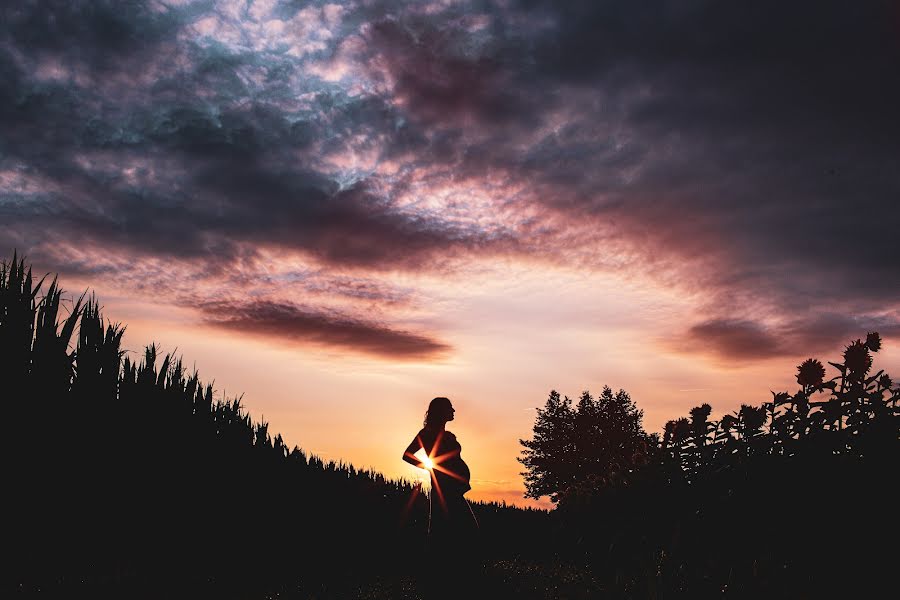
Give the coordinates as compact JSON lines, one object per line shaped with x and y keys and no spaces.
{"x":515,"y":335}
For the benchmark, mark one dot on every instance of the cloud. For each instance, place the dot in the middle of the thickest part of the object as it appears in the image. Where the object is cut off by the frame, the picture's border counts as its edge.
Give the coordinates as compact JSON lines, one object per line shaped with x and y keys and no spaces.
{"x":297,"y":325}
{"x":174,"y":174}
{"x":735,"y":338}
{"x":674,"y":141}
{"x":443,"y":75}
{"x":701,"y":144}
{"x":747,"y":340}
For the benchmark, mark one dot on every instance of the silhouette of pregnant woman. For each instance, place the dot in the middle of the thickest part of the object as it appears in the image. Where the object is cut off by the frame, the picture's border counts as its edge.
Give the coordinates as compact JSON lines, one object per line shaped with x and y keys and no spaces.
{"x":451,"y":524}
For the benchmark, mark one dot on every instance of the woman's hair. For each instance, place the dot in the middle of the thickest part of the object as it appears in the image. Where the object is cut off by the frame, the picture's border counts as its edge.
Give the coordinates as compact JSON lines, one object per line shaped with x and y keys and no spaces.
{"x":438,"y":412}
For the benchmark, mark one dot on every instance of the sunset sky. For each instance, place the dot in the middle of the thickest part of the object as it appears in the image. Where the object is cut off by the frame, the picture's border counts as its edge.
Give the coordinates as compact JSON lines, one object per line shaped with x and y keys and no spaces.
{"x":342,"y":210}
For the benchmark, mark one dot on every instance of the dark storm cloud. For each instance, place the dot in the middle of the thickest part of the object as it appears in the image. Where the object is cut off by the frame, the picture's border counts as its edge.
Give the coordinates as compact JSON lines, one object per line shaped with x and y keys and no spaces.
{"x":769,"y":139}
{"x":95,"y":34}
{"x":439,"y":80}
{"x":749,"y":151}
{"x":294,"y":324}
{"x":214,"y":169}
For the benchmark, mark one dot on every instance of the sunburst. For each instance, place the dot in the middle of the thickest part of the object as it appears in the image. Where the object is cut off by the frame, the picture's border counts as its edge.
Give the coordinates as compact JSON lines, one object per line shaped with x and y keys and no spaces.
{"x":431,"y":462}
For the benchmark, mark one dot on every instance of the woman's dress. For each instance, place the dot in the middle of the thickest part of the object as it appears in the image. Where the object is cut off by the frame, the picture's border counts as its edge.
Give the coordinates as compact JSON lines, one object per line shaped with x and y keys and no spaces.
{"x":452,"y":547}
{"x":451,"y":518}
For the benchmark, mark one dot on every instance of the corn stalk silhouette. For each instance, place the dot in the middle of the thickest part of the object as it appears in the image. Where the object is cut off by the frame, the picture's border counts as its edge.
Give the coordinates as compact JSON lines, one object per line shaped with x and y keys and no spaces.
{"x":122,"y":466}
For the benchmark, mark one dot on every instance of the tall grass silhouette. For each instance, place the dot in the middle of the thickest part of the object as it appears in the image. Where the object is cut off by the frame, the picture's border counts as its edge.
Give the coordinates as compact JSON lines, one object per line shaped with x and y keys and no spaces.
{"x":134,"y":472}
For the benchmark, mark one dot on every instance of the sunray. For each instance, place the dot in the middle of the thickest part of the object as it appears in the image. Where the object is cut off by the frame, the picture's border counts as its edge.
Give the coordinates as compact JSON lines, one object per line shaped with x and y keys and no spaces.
{"x":435,"y":446}
{"x":438,"y":459}
{"x":435,"y":486}
{"x":412,"y":499}
{"x":438,"y":467}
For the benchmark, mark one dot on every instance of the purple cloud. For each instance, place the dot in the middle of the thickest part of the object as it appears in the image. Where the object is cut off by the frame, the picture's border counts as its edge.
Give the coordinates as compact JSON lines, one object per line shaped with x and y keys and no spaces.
{"x":288,"y":323}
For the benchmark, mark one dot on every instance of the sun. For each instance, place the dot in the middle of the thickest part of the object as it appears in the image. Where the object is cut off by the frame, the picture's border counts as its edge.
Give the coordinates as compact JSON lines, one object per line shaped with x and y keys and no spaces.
{"x":423,"y":457}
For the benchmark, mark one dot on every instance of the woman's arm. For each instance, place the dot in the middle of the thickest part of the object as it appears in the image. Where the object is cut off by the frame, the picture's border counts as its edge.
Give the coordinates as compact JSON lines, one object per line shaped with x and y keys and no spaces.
{"x":409,"y":455}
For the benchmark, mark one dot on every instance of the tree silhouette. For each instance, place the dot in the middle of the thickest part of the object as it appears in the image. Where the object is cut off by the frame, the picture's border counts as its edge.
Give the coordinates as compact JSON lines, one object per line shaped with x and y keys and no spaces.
{"x":596,"y":442}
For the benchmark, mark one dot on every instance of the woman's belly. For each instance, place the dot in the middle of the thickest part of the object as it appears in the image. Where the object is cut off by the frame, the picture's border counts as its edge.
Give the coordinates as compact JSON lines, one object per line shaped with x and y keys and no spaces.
{"x":460,"y":478}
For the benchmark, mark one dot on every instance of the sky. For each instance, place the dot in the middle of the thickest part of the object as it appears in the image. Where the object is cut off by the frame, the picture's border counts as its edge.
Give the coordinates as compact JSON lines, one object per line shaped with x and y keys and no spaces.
{"x":342,"y":210}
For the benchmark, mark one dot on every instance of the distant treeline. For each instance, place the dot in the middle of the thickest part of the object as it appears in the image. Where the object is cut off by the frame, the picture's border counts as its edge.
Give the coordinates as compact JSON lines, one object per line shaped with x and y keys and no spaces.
{"x":131,"y":475}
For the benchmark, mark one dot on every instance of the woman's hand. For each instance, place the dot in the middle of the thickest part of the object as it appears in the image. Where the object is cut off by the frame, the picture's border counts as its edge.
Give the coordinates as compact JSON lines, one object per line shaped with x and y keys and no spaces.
{"x":411,"y":459}
{"x":410,"y":454}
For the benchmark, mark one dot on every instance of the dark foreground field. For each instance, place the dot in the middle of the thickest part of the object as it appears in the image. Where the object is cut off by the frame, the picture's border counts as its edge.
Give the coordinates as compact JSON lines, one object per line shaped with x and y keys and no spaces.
{"x":128,"y":479}
{"x":497,"y":579}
